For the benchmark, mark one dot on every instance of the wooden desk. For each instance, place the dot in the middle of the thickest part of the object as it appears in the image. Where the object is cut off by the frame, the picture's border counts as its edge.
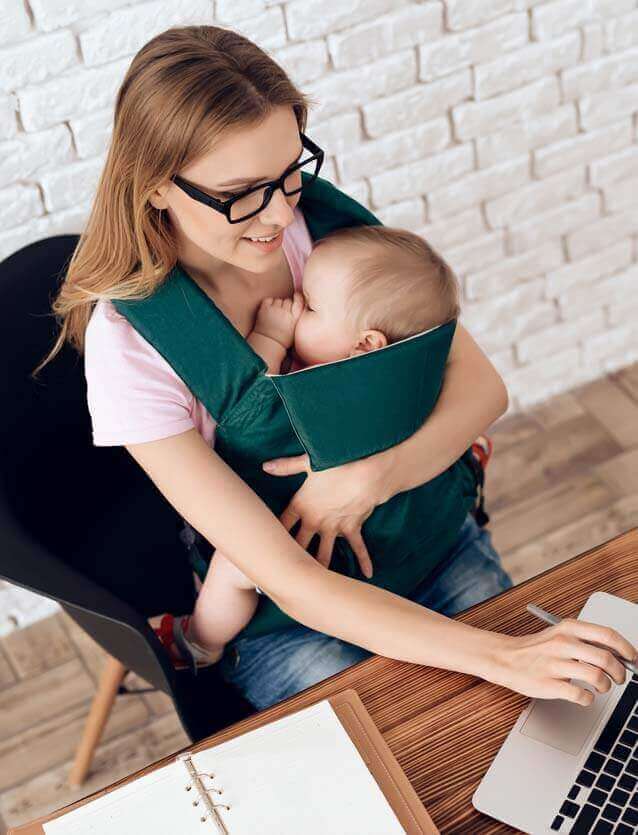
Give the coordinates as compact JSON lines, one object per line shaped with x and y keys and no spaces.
{"x":445,"y":728}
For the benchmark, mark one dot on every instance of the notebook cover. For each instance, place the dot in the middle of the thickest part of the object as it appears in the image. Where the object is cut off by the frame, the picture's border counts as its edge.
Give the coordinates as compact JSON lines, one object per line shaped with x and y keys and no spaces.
{"x":382,"y":764}
{"x":368,"y":740}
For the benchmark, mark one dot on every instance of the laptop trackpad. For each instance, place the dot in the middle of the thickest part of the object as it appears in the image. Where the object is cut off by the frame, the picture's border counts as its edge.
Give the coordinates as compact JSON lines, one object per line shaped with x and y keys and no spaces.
{"x":564,"y":725}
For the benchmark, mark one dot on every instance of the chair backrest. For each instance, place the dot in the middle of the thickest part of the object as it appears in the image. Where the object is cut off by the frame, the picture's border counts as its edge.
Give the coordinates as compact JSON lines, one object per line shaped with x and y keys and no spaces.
{"x":94,"y":508}
{"x":115,"y":625}
{"x":80,"y":524}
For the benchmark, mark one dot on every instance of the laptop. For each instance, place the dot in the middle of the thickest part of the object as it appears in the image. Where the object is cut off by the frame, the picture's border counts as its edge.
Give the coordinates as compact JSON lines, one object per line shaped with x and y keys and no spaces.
{"x":571,"y":769}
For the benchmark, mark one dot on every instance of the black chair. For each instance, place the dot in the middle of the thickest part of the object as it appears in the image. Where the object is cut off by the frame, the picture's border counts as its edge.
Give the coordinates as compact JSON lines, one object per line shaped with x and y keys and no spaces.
{"x":85,"y":525}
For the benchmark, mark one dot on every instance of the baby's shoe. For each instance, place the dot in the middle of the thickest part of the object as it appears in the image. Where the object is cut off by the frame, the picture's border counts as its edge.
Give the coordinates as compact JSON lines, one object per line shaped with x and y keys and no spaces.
{"x":481,"y":453}
{"x":482,"y":449}
{"x":184,"y":653}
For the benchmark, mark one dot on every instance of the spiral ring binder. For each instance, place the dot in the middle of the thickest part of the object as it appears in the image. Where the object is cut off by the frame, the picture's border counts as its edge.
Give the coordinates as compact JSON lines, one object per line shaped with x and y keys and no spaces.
{"x":204,"y":793}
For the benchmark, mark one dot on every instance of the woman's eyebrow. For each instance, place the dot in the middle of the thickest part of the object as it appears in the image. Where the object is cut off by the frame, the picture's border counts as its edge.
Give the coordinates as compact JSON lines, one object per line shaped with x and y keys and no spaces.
{"x":258,"y":179}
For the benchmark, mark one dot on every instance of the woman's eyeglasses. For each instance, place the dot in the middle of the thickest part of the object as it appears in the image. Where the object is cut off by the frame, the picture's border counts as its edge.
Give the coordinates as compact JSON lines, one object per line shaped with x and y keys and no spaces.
{"x":253,"y":200}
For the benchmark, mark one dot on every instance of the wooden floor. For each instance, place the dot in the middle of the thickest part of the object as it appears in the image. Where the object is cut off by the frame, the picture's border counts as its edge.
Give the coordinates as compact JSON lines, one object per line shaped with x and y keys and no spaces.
{"x":563,"y":478}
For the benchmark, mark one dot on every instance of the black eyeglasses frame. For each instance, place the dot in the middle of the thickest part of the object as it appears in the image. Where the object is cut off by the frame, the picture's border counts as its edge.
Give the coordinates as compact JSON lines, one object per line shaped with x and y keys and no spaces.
{"x":224,"y":206}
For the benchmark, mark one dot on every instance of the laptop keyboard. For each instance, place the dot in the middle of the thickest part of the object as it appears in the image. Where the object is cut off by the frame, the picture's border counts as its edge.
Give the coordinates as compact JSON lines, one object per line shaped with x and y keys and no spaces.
{"x":604,"y":797}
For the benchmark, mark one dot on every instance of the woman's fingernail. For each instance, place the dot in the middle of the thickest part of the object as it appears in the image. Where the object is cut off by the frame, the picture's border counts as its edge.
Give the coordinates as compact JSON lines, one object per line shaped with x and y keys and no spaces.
{"x":270,"y":468}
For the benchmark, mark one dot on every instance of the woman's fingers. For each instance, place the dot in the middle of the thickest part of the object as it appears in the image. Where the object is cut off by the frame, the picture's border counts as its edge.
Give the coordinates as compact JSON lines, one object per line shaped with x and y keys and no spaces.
{"x":355,"y":539}
{"x":541,"y":665}
{"x":327,"y":535}
{"x":571,"y":693}
{"x":304,"y":535}
{"x":326,"y":547}
{"x":604,"y":635}
{"x":287,"y":466}
{"x":583,"y":672}
{"x":289,"y":518}
{"x":593,"y":655}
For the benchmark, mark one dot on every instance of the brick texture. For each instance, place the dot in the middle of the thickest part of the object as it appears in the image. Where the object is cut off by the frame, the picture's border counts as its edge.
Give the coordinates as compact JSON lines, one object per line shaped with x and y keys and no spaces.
{"x":504,"y":132}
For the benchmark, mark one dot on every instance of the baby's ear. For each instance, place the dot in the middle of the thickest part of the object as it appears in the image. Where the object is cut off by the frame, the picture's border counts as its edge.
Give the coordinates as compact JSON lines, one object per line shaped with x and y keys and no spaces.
{"x":369,"y":340}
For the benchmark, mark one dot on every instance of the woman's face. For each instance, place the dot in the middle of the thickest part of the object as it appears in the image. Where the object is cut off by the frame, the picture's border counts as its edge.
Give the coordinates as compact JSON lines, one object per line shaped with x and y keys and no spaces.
{"x":244,"y":157}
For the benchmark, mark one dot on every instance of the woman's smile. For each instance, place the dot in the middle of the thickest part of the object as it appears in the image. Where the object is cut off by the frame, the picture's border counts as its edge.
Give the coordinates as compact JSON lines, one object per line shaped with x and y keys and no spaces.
{"x":266,"y":246}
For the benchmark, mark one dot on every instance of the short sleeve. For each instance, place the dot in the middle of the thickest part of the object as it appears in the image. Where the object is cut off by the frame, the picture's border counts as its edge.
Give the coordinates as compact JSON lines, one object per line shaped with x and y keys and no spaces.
{"x":297,"y":245}
{"x":133,"y":394}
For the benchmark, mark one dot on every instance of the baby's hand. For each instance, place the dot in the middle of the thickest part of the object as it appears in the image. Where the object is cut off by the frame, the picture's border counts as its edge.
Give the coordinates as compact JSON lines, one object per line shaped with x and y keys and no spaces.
{"x":276,"y":318}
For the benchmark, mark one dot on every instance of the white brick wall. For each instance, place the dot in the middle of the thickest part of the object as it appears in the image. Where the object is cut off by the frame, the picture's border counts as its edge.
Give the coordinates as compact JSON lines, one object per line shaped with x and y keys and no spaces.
{"x":506,"y":132}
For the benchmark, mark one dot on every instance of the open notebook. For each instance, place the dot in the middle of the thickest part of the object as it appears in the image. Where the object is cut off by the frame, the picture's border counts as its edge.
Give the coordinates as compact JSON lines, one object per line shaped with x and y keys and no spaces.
{"x":301,"y":773}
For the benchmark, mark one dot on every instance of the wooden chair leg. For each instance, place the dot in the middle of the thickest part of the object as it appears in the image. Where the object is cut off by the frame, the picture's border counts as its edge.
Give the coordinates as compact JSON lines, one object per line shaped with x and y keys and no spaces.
{"x":110,"y":681}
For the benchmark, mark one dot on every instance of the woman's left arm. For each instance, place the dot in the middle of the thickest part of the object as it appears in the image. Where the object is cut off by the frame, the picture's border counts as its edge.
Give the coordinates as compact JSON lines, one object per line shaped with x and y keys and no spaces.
{"x":472,"y":397}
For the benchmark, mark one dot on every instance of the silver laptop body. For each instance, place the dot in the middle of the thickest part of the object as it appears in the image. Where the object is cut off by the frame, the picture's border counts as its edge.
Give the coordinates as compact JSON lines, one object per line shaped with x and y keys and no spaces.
{"x":543,"y":756}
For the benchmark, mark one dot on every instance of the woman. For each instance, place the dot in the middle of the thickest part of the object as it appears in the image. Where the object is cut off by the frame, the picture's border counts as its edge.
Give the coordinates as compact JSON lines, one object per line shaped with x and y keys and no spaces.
{"x":209,"y":105}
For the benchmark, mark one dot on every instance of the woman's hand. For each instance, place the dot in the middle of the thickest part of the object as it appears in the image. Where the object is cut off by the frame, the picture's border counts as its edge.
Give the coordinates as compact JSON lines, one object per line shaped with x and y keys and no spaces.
{"x":331,"y":503}
{"x":541,"y":665}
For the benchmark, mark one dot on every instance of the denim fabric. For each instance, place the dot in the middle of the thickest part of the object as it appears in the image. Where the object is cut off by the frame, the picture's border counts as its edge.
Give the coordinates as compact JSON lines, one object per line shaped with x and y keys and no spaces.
{"x":269,"y":668}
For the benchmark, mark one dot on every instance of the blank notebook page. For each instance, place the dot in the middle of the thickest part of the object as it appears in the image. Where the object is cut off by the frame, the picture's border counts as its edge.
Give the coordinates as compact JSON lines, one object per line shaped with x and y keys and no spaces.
{"x":298,"y":774}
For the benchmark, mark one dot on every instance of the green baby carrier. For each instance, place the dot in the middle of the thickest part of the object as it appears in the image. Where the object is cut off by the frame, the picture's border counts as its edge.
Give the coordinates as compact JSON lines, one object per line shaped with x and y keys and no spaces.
{"x":335,"y":412}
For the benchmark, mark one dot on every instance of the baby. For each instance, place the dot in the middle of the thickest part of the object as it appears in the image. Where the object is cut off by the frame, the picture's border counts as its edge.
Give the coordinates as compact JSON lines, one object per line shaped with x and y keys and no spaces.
{"x":364,"y":287}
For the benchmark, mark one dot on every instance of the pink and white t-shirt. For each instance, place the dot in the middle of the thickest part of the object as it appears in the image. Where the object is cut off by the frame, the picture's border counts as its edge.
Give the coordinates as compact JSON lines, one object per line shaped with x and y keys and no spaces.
{"x":133,"y":393}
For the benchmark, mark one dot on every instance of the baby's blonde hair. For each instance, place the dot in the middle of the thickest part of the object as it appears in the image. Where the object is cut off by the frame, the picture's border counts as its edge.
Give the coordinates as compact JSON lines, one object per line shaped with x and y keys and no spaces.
{"x":399,"y":284}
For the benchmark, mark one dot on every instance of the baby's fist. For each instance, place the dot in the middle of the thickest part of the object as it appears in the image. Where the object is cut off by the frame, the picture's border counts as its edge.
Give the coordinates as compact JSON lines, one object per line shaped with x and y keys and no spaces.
{"x":276,"y":318}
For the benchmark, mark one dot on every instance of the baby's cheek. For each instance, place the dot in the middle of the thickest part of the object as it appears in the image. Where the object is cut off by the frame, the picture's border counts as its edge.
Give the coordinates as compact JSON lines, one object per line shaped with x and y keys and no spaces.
{"x":302,"y":342}
{"x":310,"y":346}
{"x":315,"y":343}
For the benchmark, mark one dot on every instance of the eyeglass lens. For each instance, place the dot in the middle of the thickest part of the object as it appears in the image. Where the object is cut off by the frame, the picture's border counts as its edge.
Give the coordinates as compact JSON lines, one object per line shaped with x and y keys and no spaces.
{"x":255,"y":201}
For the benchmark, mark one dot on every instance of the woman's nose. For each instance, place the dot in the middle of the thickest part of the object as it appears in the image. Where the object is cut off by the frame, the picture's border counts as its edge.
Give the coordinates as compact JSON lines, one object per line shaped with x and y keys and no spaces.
{"x":278,"y":212}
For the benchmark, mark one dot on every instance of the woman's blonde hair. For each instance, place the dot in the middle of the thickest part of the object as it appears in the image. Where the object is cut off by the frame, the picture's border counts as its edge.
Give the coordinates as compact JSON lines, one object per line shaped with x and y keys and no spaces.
{"x":398,"y":283}
{"x":182,"y":90}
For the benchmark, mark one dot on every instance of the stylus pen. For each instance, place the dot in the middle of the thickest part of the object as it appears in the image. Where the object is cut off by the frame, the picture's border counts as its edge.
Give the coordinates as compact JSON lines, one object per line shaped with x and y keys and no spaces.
{"x":553,"y":619}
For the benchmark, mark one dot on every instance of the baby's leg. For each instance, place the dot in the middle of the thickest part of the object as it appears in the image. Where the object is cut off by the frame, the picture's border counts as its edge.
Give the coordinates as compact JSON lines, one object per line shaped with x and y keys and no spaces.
{"x":225,"y":604}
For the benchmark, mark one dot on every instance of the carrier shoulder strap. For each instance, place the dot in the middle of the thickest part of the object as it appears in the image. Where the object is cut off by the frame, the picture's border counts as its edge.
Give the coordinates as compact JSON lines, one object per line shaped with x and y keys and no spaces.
{"x":326,"y":208}
{"x":197,"y":340}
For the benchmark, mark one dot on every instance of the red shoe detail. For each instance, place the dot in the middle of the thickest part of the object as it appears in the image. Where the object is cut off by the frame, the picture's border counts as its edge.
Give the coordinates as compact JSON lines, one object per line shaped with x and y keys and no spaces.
{"x":165,"y":634}
{"x":482,"y":449}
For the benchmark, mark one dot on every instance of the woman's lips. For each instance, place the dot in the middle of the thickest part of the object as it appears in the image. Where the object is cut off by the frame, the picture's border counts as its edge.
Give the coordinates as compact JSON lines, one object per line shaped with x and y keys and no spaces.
{"x":267,"y":246}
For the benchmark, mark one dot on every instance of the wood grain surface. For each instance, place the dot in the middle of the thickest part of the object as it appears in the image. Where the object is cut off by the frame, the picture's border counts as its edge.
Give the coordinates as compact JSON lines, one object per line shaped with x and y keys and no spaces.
{"x":443,"y":727}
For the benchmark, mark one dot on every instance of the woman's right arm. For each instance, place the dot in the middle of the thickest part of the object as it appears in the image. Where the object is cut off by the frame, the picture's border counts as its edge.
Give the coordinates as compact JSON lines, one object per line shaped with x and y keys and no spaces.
{"x":217,"y":503}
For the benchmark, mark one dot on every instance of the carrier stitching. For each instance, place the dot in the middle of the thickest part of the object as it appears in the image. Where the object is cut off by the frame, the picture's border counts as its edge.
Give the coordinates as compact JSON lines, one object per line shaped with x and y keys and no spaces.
{"x":306,"y":450}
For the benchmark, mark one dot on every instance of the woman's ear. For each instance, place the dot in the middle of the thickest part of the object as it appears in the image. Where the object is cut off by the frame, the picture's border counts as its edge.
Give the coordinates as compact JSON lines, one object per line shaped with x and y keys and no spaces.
{"x":369,"y":340}
{"x":158,"y":197}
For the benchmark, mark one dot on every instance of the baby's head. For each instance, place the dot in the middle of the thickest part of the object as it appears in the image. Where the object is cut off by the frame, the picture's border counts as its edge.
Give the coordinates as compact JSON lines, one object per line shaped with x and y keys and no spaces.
{"x":368,"y":286}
